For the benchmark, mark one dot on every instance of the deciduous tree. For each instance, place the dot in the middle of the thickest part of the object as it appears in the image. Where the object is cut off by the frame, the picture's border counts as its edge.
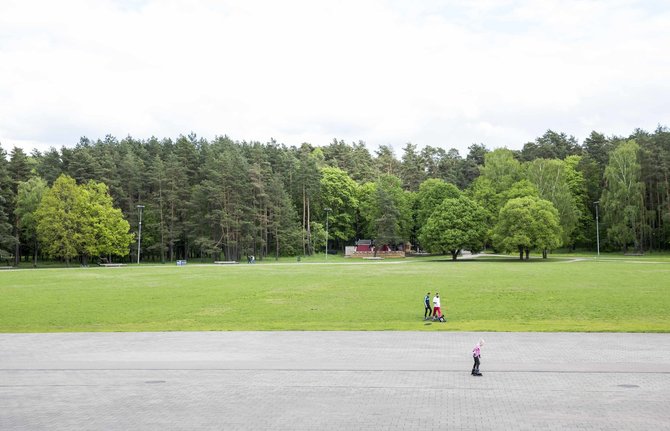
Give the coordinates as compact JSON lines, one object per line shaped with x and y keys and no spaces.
{"x":525,"y":223}
{"x":80,"y":221}
{"x":622,"y":197}
{"x":339,"y":195}
{"x":456,"y":224}
{"x":28,"y":200}
{"x":430,"y":195}
{"x":549,"y":176}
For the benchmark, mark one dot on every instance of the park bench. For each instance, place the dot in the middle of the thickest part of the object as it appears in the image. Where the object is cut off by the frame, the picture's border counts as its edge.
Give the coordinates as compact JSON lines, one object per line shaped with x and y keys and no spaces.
{"x":225,"y":262}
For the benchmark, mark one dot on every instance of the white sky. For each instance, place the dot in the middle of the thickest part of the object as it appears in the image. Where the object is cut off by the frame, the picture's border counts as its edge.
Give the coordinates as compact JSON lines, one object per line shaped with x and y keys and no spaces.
{"x":431,"y":72}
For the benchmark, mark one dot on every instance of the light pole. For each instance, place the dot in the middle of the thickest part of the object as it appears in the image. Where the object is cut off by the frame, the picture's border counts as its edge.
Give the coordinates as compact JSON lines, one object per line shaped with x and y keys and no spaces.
{"x":139,"y":236}
{"x":597,"y":230}
{"x":327,"y":210}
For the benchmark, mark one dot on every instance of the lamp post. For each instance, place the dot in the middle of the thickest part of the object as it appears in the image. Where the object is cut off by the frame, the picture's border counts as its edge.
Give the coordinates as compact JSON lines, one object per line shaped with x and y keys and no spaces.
{"x":327,"y":210}
{"x":139,"y":236}
{"x":597,"y":230}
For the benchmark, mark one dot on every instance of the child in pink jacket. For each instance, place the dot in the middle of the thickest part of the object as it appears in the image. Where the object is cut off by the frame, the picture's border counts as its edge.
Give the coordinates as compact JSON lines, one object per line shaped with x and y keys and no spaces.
{"x":476,"y":354}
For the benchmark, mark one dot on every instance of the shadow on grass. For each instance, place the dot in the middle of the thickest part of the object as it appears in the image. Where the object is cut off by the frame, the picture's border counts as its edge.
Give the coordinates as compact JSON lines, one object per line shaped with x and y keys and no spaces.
{"x":497,"y":259}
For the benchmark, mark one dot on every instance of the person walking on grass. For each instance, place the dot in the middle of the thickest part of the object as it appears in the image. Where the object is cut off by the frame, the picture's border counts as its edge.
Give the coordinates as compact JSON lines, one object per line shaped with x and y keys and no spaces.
{"x":428,"y":311}
{"x":437,"y":312}
{"x":476,"y":355}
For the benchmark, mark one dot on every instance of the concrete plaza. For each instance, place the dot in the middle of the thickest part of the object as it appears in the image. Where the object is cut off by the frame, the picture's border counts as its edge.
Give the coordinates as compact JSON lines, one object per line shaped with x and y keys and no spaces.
{"x":333,"y":381}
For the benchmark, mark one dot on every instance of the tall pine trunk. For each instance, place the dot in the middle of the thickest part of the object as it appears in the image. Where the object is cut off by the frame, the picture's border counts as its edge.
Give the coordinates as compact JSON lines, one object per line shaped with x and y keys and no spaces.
{"x":310,"y":249}
{"x":304,"y":218}
{"x":35,"y":254}
{"x":17,"y":246}
{"x":276,"y":241}
{"x":162,"y":221}
{"x":171,"y":232}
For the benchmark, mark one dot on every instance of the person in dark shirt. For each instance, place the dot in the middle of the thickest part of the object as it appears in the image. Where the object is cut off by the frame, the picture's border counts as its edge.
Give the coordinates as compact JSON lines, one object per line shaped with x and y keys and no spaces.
{"x":428,"y":311}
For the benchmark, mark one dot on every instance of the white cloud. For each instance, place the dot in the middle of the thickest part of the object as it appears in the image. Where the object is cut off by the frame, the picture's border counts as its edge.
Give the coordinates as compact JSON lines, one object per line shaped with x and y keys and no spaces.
{"x":441,"y":73}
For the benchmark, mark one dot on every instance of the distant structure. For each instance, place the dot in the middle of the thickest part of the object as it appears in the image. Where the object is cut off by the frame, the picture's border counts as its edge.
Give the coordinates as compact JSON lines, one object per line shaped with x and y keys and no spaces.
{"x":364,"y":245}
{"x":365,"y":248}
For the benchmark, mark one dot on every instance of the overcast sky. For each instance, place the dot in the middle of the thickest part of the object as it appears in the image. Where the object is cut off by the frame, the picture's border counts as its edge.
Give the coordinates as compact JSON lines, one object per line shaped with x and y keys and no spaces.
{"x":387,"y":72}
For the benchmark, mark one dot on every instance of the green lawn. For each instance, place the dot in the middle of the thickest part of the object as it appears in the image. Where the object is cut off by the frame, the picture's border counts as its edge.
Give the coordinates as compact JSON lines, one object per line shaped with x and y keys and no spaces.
{"x":488,"y":294}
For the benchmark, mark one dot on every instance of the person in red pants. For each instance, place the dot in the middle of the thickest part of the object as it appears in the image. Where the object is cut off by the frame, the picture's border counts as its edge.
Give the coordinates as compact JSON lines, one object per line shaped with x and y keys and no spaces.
{"x":437,"y":312}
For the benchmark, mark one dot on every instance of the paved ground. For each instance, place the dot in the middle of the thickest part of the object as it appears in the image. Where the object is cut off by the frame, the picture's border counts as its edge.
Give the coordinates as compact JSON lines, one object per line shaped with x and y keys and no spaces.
{"x":333,"y":380}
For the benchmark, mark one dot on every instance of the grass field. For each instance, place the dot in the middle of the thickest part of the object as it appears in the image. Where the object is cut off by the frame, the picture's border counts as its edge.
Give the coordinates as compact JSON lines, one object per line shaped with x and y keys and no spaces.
{"x":485,"y":294}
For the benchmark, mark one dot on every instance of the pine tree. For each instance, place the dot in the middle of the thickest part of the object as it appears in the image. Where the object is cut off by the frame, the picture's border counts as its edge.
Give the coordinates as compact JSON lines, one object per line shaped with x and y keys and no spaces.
{"x":7,"y":240}
{"x":19,"y":171}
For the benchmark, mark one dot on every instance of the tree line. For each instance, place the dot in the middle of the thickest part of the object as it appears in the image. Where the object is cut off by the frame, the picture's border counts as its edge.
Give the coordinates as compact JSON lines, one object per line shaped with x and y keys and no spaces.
{"x":224,"y":199}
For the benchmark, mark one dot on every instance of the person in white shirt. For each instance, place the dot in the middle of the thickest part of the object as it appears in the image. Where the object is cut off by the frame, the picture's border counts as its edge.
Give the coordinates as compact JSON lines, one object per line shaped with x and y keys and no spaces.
{"x":476,"y":354}
{"x":436,"y":306}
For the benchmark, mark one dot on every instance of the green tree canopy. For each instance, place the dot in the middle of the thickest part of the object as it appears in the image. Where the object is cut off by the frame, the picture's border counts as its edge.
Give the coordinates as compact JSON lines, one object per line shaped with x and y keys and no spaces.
{"x":105,"y":231}
{"x":456,"y":224}
{"x":339,"y":195}
{"x":550,"y":177}
{"x":574,"y":177}
{"x":28,"y":199}
{"x":526,"y":223}
{"x":7,"y":240}
{"x":59,"y":218}
{"x":386,"y":211}
{"x":367,"y":210}
{"x":224,"y":196}
{"x":519,"y":189}
{"x":546,"y":229}
{"x":551,"y":145}
{"x":411,"y":169}
{"x":498,"y":183}
{"x":431,"y":194}
{"x":77,"y":220}
{"x":621,"y":201}
{"x":502,"y":169}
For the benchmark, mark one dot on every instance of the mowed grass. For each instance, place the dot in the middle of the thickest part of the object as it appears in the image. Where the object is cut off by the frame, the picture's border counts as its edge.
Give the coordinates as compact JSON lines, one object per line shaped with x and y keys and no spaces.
{"x":485,"y":294}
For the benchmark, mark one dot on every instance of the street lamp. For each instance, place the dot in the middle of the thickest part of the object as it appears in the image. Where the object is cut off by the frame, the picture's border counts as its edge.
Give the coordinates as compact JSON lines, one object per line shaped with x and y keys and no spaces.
{"x":139,"y":236}
{"x":327,"y":210}
{"x":597,"y":230}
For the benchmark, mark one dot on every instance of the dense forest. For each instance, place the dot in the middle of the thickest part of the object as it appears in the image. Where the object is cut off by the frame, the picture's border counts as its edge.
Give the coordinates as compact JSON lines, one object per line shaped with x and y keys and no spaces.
{"x":224,"y":199}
